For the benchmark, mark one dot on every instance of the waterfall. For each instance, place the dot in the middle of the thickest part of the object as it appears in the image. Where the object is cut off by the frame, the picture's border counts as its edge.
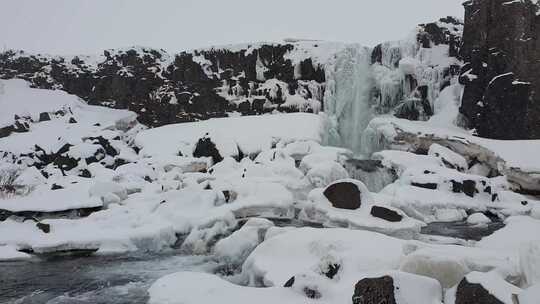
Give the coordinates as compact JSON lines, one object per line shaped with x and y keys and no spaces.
{"x":347,"y":97}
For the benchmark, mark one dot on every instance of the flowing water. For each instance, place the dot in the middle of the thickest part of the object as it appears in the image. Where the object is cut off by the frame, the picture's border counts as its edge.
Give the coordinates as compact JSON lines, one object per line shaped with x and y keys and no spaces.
{"x":123,"y":279}
{"x":95,"y":279}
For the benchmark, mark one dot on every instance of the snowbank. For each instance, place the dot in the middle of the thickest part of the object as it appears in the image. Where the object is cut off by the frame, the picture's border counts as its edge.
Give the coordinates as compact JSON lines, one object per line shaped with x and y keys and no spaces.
{"x":250,"y":134}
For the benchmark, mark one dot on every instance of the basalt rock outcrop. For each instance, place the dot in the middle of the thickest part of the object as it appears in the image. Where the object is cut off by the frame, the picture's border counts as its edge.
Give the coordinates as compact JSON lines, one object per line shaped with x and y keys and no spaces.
{"x":501,"y":75}
{"x":296,"y":75}
{"x":163,"y":88}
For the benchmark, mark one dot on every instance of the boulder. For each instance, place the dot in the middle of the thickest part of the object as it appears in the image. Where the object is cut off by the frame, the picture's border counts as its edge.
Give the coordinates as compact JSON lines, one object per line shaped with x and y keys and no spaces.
{"x":343,"y":195}
{"x":386,"y":214}
{"x":46,"y":228}
{"x":207,"y":148}
{"x":44,"y":116}
{"x":397,"y":288}
{"x":482,"y":288}
{"x":374,"y":291}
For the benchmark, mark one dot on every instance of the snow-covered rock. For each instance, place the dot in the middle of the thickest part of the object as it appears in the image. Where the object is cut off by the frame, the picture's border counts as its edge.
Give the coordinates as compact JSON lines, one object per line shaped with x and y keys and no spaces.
{"x":236,"y":247}
{"x":478,"y":219}
{"x":231,"y":134}
{"x":312,"y":250}
{"x":479,"y":287}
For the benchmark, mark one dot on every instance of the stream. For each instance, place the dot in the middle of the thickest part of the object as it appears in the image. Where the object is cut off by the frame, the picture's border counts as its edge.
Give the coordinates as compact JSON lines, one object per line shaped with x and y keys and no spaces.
{"x":98,"y":279}
{"x":123,"y":279}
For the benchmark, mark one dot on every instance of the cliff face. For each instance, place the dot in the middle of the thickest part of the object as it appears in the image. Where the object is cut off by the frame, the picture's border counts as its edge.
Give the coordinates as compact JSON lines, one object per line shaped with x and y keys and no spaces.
{"x":188,"y":86}
{"x":348,"y":81}
{"x":501,"y":75}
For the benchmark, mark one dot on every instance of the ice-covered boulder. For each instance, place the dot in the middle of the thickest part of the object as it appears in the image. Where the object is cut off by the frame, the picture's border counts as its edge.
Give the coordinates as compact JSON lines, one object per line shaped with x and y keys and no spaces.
{"x":109,"y":193}
{"x":311,"y":251}
{"x":346,"y":194}
{"x":367,"y":212}
{"x":236,"y":247}
{"x":230,"y":135}
{"x":325,"y":173}
{"x":478,"y":219}
{"x":386,"y":214}
{"x":397,"y":288}
{"x":196,"y":288}
{"x":477,"y":287}
{"x":450,"y":158}
{"x":445,"y":268}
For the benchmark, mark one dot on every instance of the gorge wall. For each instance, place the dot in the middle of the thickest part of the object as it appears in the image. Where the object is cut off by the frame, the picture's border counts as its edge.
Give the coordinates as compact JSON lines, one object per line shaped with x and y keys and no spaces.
{"x":501,"y":75}
{"x":351,"y":83}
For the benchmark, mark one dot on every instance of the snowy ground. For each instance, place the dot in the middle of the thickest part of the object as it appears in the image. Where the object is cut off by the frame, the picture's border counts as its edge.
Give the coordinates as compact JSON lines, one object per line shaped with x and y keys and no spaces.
{"x":88,"y":179}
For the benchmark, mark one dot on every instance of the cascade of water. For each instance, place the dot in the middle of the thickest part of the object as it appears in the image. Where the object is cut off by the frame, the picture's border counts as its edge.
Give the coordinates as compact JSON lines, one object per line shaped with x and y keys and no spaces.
{"x":347,"y":97}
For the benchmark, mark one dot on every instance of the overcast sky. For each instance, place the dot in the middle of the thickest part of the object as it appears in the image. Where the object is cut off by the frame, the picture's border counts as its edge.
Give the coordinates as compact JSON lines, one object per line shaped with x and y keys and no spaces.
{"x":89,"y":26}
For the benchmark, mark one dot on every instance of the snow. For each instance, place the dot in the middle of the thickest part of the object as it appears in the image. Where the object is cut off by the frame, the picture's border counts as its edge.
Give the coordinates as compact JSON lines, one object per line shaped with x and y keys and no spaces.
{"x":17,"y":98}
{"x":310,"y":250}
{"x":516,"y":233}
{"x":150,"y":200}
{"x":10,"y":253}
{"x":523,"y":158}
{"x":23,"y":101}
{"x":237,"y":246}
{"x":231,"y":133}
{"x":529,"y":261}
{"x":41,"y":199}
{"x":323,"y":174}
{"x":530,"y":295}
{"x":448,"y":156}
{"x":179,"y":288}
{"x":478,"y":219}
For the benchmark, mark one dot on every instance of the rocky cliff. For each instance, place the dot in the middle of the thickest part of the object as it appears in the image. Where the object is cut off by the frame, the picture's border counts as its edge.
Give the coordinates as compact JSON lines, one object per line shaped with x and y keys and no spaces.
{"x":249,"y":79}
{"x":501,"y":49}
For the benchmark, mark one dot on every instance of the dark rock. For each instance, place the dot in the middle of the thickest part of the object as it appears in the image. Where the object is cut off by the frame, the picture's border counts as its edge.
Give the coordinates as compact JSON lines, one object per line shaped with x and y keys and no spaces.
{"x":44,"y":116}
{"x":85,"y":173}
{"x":6,"y":131}
{"x":46,"y":228}
{"x":386,"y":214}
{"x":343,"y":195}
{"x":431,"y":186}
{"x":65,"y":163}
{"x":469,"y":293}
{"x":374,"y":291}
{"x":72,"y":120}
{"x":312,"y":293}
{"x":376,"y":54}
{"x":207,"y":148}
{"x":289,"y":282}
{"x":457,"y":187}
{"x":56,"y":187}
{"x":333,"y":269}
{"x":227,"y":195}
{"x":103,"y":142}
{"x":414,"y":109}
{"x":500,"y":48}
{"x":469,"y":188}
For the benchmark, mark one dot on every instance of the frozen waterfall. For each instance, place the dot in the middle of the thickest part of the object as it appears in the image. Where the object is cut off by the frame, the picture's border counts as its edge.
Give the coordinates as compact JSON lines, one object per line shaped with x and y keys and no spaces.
{"x":347,"y":97}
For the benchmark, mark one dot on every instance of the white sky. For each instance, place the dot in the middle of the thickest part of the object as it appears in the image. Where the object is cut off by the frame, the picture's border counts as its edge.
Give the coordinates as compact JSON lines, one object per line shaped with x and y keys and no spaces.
{"x":89,"y":26}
